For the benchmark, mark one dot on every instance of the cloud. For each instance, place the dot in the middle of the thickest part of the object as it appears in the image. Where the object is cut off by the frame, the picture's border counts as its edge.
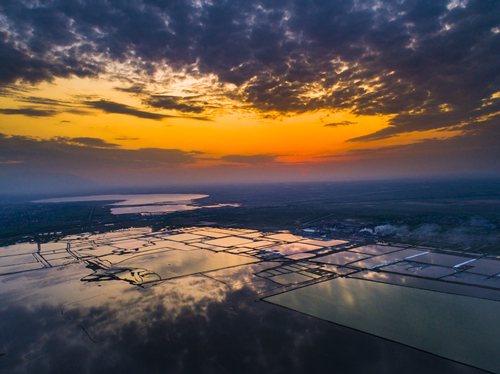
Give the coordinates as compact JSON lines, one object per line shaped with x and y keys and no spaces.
{"x":429,"y":65}
{"x":85,"y":154}
{"x":476,"y":137}
{"x":134,"y":89}
{"x":30,"y":112}
{"x":473,"y":151}
{"x":126,"y":138}
{"x":251,"y":160}
{"x":44,"y":107}
{"x":43,"y":101}
{"x":29,"y":64}
{"x":38,"y":112}
{"x":111,"y":107}
{"x":173,"y":103}
{"x":93,"y":142}
{"x":343,"y":123}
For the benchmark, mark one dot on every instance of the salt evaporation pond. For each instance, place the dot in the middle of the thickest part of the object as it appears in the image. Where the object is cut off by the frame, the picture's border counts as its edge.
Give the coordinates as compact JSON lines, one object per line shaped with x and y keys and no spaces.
{"x":190,"y":300}
{"x":460,"y":328}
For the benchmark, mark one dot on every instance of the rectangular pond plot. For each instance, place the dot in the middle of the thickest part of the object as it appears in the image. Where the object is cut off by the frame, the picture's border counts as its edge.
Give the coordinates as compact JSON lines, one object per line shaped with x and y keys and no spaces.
{"x":300,"y":256}
{"x":441,"y":259}
{"x":80,"y":243}
{"x":52,"y":256}
{"x":115,"y":235}
{"x":240,"y":275}
{"x":274,"y":272}
{"x":18,"y":249}
{"x":161,"y":243}
{"x":324,"y":243}
{"x":259,"y":244}
{"x":290,"y":278}
{"x":387,"y":258}
{"x":75,"y":237}
{"x":129,"y":244}
{"x":115,"y":258}
{"x":183,"y":237}
{"x":341,"y":258}
{"x":292,"y":248}
{"x":230,"y":241}
{"x":239,"y":250}
{"x":416,"y":269}
{"x":310,"y":274}
{"x":62,"y":252}
{"x":230,"y":232}
{"x":177,"y":245}
{"x":252,"y":235}
{"x":474,"y":279}
{"x":285,"y":237}
{"x":484,"y":266}
{"x":210,"y":233}
{"x":44,"y":247}
{"x":61,"y":261}
{"x":375,"y":249}
{"x":17,"y":260}
{"x":174,"y":264}
{"x":428,"y":284}
{"x":239,"y":232}
{"x":460,"y":328}
{"x":340,"y":270}
{"x":12,"y":269}
{"x":207,"y":246}
{"x":95,"y":251}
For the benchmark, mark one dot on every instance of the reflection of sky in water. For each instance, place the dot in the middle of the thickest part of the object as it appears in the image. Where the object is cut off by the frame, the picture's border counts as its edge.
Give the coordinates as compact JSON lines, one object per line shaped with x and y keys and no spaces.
{"x":461,"y":328}
{"x":152,"y":209}
{"x":147,"y":203}
{"x":101,"y":308}
{"x":127,"y":199}
{"x":192,"y":324}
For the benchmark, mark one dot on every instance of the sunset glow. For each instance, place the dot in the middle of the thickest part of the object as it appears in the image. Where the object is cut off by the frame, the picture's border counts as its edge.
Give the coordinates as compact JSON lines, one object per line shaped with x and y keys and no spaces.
{"x":204,"y":91}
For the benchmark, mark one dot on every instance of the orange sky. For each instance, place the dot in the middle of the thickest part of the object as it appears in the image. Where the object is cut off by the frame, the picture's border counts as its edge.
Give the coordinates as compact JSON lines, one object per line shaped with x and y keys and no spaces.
{"x":210,"y":91}
{"x":231,"y":128}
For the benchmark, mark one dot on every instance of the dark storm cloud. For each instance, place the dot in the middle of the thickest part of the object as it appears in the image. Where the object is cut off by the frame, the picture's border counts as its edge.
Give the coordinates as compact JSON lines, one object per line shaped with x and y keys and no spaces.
{"x":343,"y":123}
{"x":63,"y":155}
{"x":30,"y":112}
{"x":33,"y":65}
{"x":251,"y":160}
{"x":430,"y":64}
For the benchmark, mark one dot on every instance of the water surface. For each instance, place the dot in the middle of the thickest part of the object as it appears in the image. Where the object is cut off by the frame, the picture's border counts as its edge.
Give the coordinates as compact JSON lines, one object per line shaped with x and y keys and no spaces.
{"x":141,"y":203}
{"x":190,"y":301}
{"x":460,"y":328}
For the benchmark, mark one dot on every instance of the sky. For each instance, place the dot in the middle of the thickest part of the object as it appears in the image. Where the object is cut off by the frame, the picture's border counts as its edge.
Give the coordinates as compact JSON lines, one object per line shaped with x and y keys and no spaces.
{"x":152,"y":92}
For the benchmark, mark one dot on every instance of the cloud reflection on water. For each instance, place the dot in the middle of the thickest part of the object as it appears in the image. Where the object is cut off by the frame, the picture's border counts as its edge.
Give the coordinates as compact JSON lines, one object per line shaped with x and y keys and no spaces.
{"x":51,"y":322}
